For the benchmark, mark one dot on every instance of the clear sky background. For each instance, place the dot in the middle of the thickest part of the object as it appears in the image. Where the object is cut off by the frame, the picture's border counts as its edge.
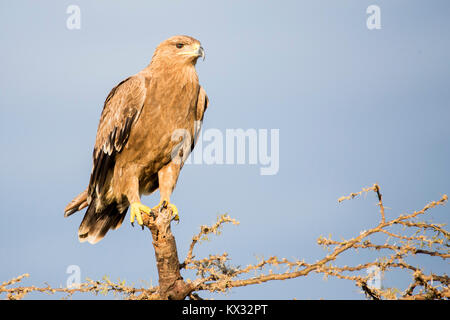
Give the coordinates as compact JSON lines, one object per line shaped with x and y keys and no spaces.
{"x":353,"y":106}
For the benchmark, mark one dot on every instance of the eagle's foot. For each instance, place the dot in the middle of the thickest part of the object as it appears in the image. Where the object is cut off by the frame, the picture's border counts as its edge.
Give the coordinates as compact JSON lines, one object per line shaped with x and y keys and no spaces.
{"x":135,"y":211}
{"x":166,"y":204}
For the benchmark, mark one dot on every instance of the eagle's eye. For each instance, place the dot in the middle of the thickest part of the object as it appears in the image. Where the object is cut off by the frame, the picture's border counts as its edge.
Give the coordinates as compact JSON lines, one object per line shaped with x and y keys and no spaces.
{"x":180,"y":45}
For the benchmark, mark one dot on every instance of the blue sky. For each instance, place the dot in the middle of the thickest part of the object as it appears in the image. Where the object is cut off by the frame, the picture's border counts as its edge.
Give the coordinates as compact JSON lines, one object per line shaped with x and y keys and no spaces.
{"x":353,"y":107}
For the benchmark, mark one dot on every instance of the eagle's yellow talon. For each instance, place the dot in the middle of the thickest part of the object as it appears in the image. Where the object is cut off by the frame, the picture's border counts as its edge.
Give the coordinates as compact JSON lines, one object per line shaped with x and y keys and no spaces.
{"x":176,"y":217}
{"x":135,"y":212}
{"x":164,"y":203}
{"x":158,"y":206}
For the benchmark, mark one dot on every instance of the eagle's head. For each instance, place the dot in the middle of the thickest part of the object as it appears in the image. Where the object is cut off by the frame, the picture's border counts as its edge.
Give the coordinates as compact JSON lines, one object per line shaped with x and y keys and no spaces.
{"x":179,"y":50}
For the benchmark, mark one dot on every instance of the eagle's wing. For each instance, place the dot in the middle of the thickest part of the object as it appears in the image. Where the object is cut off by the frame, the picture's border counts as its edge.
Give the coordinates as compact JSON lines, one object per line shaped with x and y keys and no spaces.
{"x":121,"y":110}
{"x":202,"y":105}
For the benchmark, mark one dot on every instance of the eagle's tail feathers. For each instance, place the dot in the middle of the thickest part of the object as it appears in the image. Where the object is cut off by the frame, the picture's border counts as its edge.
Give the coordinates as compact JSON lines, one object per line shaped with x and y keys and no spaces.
{"x":78,"y":203}
{"x":95,"y":224}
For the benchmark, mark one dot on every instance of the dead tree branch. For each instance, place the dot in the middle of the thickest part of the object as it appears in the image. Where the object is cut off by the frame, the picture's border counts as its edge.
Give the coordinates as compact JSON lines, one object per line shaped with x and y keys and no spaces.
{"x":215,"y":274}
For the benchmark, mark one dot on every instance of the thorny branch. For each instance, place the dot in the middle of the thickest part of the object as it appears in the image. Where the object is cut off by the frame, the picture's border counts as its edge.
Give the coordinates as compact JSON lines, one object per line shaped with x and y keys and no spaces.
{"x":91,"y":286}
{"x":215,"y":274}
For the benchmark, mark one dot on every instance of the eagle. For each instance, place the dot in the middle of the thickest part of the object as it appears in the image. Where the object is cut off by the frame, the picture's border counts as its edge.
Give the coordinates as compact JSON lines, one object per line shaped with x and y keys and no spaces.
{"x":136,"y":149}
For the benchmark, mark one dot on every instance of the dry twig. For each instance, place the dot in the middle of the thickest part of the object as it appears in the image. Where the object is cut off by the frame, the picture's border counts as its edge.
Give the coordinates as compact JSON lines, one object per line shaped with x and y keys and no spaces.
{"x":214,"y":273}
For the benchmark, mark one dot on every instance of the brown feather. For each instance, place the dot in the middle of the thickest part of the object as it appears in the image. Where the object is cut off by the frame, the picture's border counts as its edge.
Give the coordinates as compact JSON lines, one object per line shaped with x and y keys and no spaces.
{"x":122,"y":107}
{"x":134,"y":144}
{"x":78,"y":203}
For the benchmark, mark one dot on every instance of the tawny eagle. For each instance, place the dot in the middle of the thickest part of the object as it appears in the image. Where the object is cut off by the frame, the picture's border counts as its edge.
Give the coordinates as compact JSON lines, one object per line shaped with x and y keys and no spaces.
{"x":135,"y":145}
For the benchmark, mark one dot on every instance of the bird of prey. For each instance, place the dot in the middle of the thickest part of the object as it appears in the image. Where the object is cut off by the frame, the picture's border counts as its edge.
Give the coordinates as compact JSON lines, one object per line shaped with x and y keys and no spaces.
{"x":134,"y":148}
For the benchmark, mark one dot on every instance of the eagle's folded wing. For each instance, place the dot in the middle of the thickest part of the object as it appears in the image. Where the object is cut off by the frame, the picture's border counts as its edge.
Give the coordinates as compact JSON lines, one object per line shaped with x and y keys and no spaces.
{"x":121,"y":110}
{"x":202,"y":105}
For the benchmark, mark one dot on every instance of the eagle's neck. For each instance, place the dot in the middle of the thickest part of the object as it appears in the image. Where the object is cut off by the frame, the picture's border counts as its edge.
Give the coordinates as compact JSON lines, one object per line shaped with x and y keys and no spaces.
{"x":180,"y":83}
{"x":173,"y":72}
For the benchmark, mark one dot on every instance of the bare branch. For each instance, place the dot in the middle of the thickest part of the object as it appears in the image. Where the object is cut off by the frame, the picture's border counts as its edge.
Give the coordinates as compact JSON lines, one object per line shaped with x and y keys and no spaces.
{"x":216,"y":274}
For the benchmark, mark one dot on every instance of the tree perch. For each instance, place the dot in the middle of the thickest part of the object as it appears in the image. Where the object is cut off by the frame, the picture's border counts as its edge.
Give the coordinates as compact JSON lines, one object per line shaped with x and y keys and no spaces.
{"x":171,"y":283}
{"x":215,"y":275}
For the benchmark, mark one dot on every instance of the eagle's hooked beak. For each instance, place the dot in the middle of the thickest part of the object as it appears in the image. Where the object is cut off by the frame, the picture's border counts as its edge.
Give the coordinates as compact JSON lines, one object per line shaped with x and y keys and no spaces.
{"x":197,"y":52}
{"x":201,"y":53}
